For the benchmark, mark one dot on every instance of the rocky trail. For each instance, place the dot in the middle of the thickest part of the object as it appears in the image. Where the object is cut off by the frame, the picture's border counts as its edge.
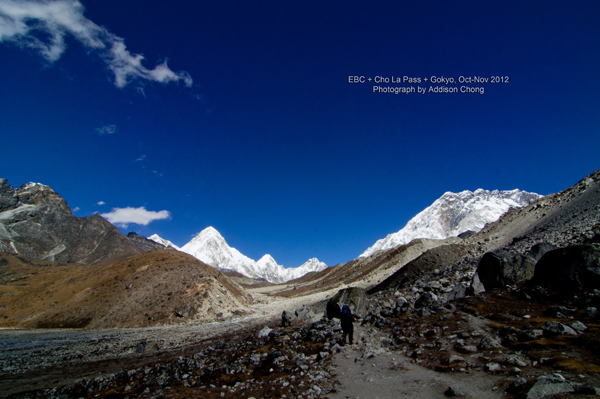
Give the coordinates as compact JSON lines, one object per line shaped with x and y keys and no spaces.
{"x":474,"y":347}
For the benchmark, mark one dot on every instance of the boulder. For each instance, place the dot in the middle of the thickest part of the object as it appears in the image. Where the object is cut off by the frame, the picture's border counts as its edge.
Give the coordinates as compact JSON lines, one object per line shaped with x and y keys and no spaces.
{"x":540,"y":249}
{"x":569,"y":268}
{"x":425,"y":300}
{"x":552,"y":328}
{"x":304,"y":314}
{"x":550,"y":385}
{"x":476,"y":285}
{"x":488,"y":342}
{"x":459,"y":291}
{"x":286,"y":318}
{"x":498,"y":269}
{"x":355,"y":298}
{"x":264,"y":332}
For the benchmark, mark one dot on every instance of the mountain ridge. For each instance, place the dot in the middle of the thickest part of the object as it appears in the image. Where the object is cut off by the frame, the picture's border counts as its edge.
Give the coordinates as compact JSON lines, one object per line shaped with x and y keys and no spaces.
{"x":455,"y":213}
{"x":210,"y":247}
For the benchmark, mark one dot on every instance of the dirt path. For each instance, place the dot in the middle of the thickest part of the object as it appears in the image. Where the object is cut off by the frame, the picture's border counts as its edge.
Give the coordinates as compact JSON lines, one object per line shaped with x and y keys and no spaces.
{"x":393,"y":375}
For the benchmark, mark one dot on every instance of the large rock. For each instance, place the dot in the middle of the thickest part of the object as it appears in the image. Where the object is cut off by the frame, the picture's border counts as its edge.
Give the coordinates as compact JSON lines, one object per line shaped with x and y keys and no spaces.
{"x":540,"y":249}
{"x":498,"y":269}
{"x":355,"y":298}
{"x":569,"y":268}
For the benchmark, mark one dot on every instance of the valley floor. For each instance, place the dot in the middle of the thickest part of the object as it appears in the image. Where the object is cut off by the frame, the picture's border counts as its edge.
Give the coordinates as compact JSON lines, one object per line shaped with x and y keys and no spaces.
{"x":229,"y":359}
{"x":39,"y":359}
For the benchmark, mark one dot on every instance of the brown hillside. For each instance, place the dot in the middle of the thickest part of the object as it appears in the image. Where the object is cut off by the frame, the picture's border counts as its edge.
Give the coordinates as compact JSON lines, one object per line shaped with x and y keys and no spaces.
{"x":155,"y":288}
{"x":365,"y":272}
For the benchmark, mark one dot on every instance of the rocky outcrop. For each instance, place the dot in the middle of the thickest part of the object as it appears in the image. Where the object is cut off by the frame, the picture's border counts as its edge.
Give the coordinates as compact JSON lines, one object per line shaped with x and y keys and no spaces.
{"x":355,"y":298}
{"x":8,"y":196}
{"x":40,"y":225}
{"x":144,"y":244}
{"x":499,"y":269}
{"x":569,"y":268}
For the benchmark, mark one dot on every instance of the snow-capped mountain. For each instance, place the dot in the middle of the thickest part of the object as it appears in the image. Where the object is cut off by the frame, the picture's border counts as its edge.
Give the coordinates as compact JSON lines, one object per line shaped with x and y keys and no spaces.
{"x":211,"y":248}
{"x":456,"y":213}
{"x":160,"y":240}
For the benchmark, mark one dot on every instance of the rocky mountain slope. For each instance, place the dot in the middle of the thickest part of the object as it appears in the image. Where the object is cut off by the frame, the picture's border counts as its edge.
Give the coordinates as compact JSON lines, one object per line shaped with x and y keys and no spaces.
{"x":155,"y":288}
{"x":424,"y":334}
{"x":160,"y":240}
{"x":37,"y":223}
{"x":210,"y":247}
{"x":146,"y":244}
{"x":455,"y":213}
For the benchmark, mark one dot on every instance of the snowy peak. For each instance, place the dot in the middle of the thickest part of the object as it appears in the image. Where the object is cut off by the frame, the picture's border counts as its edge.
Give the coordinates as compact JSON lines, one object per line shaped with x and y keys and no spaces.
{"x":160,"y":240}
{"x":455,"y":213}
{"x":311,"y":265}
{"x":210,"y":247}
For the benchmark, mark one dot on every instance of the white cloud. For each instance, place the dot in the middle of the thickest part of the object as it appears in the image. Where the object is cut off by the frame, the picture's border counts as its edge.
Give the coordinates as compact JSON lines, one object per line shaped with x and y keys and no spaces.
{"x":125,"y":216}
{"x":43,"y":25}
{"x":140,"y":158}
{"x":108,"y":129}
{"x":75,"y":209}
{"x":101,"y":203}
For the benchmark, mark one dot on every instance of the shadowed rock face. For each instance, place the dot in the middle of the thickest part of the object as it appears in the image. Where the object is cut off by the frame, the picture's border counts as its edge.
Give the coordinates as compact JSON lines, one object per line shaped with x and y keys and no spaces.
{"x":498,"y":269}
{"x":569,"y":268}
{"x":40,"y":225}
{"x":8,"y":196}
{"x":355,"y":298}
{"x":145,"y":244}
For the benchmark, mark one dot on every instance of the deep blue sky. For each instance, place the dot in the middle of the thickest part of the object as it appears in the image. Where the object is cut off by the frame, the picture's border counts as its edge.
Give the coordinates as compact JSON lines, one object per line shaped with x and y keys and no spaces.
{"x":271,"y":145}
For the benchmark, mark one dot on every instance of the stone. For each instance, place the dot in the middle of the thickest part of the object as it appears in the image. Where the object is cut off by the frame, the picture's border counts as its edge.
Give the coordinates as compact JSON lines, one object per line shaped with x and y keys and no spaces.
{"x":546,"y":386}
{"x":476,"y":287}
{"x":355,"y":298}
{"x":456,"y":390}
{"x":425,"y":300}
{"x":530,"y":335}
{"x":538,"y":250}
{"x":569,"y":268}
{"x":552,"y":328}
{"x":498,"y":269}
{"x":286,"y":318}
{"x":459,"y":291}
{"x":488,"y":343}
{"x":304,"y":313}
{"x":467,"y":349}
{"x":264,"y":332}
{"x":515,"y":361}
{"x":591,"y":311}
{"x":492,"y":367}
{"x":578,"y":326}
{"x":455,"y":359}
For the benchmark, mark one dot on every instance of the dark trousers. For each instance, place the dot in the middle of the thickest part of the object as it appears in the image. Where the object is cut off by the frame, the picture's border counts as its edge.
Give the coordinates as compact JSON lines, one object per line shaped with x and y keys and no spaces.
{"x":347,"y":328}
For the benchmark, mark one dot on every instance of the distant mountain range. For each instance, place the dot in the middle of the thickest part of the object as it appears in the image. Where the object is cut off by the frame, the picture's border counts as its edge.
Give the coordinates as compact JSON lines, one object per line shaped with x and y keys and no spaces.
{"x":37,"y":222}
{"x":455,"y":213}
{"x":210,"y":247}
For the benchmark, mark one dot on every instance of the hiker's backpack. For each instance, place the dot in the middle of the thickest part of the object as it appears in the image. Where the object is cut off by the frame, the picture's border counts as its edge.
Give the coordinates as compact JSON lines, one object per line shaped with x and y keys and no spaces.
{"x":346,"y":311}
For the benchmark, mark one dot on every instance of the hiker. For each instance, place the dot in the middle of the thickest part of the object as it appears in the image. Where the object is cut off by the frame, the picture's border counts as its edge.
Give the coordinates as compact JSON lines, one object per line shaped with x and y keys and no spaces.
{"x":347,"y":327}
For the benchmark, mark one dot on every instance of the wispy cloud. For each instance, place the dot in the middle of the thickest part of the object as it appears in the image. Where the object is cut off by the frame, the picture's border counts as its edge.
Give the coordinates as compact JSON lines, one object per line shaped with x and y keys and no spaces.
{"x":125,"y":216}
{"x":141,"y":158}
{"x":43,"y":26}
{"x":108,"y":129}
{"x":101,"y":203}
{"x":75,"y":209}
